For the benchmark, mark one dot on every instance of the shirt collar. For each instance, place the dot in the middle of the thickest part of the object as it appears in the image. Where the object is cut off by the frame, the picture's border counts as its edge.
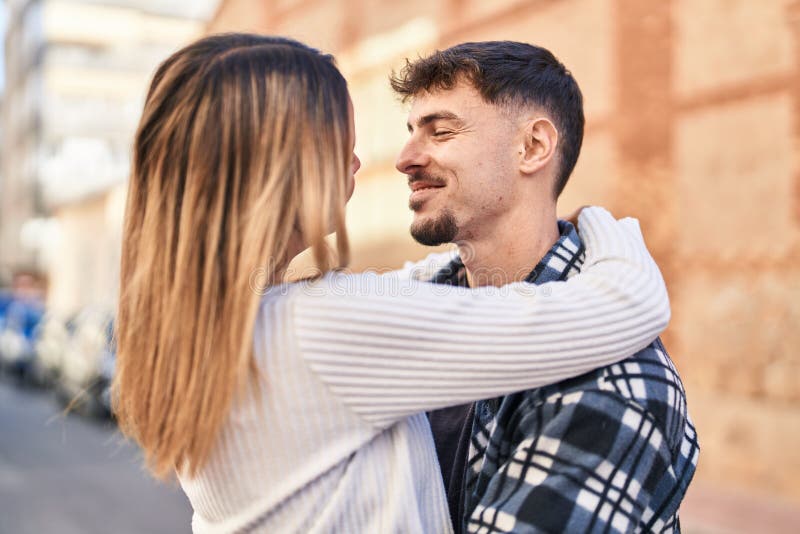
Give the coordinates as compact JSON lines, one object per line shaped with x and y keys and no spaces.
{"x":564,"y":258}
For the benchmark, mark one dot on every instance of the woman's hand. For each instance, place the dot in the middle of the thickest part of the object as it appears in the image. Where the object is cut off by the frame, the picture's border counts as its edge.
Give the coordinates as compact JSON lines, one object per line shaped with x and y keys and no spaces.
{"x":573,"y":217}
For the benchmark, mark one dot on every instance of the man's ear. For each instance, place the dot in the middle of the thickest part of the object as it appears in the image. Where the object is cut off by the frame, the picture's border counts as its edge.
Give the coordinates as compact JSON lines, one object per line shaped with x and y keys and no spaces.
{"x":540,"y":138}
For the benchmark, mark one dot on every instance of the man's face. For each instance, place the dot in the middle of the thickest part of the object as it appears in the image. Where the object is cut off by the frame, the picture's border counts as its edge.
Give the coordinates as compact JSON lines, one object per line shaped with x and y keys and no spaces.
{"x":460,"y":162}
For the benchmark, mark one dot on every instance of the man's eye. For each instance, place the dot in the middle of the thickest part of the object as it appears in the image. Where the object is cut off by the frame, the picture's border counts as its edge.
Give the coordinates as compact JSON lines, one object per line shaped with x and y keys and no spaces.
{"x":439,"y":133}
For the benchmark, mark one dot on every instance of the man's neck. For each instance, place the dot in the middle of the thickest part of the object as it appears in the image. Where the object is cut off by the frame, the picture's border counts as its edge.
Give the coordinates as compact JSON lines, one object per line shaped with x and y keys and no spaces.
{"x":509,"y":253}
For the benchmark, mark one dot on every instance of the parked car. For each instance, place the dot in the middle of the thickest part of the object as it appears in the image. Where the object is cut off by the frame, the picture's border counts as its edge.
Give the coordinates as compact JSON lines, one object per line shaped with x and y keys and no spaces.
{"x":87,"y":364}
{"x":50,"y":340}
{"x":20,"y":320}
{"x":107,"y":367}
{"x":5,"y":302}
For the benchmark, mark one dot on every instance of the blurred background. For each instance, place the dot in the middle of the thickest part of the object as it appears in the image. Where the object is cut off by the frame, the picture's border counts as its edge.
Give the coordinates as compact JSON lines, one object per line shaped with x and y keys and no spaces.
{"x":693,"y":126}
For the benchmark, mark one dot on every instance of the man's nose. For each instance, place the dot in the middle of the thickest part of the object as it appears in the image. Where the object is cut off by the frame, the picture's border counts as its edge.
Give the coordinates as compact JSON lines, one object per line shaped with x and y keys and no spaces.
{"x":411,"y":156}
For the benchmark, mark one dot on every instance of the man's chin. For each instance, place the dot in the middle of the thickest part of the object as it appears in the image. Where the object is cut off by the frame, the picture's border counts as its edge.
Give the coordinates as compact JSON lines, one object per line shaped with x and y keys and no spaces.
{"x":436,"y":230}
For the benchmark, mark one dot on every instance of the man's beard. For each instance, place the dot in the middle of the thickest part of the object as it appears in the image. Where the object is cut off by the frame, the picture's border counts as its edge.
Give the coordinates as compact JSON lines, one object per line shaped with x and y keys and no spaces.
{"x":436,"y":230}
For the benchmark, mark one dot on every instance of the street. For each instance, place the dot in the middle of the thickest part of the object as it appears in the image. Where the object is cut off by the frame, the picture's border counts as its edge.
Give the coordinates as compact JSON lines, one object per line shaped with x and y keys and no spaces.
{"x":68,"y":474}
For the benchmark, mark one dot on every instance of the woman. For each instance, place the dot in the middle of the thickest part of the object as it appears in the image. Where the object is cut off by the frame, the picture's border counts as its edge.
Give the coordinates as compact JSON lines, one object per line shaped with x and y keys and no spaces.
{"x":301,"y":410}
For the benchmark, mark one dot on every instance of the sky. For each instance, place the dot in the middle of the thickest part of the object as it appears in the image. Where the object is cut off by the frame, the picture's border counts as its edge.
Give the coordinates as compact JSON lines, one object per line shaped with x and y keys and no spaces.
{"x":202,"y":9}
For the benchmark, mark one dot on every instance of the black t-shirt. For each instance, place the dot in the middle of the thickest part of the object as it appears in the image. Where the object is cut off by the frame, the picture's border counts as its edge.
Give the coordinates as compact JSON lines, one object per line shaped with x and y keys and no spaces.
{"x":452,"y":431}
{"x":452,"y":426}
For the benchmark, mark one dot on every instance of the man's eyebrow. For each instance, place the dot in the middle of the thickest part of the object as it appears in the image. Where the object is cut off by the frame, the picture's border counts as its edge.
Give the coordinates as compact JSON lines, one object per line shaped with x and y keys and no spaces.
{"x":435,"y":116}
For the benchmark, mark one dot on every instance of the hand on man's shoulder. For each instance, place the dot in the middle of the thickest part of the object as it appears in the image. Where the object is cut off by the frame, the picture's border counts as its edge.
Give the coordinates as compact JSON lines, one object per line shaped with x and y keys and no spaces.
{"x":424,"y":269}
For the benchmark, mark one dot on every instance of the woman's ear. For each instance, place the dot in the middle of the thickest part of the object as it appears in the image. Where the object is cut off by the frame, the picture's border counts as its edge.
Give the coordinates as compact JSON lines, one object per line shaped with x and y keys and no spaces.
{"x":540,"y":140}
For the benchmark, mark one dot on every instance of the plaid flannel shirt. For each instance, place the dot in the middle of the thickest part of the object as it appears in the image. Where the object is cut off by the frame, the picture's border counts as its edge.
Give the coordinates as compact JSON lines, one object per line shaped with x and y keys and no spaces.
{"x":613,"y":450}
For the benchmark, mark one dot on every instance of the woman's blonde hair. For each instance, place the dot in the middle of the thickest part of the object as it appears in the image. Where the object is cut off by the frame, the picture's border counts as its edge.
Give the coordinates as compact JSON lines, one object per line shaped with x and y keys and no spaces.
{"x":243,"y":148}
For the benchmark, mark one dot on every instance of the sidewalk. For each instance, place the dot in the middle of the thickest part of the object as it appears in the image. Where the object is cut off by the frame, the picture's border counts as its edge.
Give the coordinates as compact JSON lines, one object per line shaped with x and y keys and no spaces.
{"x":713,"y":510}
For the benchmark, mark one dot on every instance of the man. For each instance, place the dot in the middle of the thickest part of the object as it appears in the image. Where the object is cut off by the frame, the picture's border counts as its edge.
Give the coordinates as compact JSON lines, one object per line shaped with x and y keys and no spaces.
{"x":495,"y":132}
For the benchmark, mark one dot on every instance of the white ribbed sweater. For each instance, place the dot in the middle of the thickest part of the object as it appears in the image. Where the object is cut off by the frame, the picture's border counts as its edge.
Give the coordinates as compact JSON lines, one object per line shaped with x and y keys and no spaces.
{"x":337,"y":441}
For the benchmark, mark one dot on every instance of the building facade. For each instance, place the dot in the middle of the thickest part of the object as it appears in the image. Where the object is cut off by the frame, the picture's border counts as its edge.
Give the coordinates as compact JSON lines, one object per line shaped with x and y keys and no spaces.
{"x":76,"y":75}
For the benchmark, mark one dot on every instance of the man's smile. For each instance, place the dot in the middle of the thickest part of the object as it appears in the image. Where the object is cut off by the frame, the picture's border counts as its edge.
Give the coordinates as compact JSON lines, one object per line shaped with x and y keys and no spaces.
{"x":421,"y":190}
{"x":420,"y":185}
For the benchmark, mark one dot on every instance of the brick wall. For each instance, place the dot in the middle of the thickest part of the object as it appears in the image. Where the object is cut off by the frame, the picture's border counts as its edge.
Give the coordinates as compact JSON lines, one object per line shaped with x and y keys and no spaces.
{"x":693,"y":125}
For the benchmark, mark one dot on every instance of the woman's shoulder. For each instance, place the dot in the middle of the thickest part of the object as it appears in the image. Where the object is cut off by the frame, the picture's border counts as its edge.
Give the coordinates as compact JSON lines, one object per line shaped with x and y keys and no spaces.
{"x":343,"y":283}
{"x":332,"y":283}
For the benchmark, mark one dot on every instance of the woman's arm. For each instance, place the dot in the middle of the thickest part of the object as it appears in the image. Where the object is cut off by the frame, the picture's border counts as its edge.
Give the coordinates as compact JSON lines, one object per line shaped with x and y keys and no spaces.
{"x":391,"y":348}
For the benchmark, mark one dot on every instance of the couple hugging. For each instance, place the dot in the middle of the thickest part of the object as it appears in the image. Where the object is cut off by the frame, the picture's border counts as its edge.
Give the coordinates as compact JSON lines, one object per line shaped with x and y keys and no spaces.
{"x":517,"y":384}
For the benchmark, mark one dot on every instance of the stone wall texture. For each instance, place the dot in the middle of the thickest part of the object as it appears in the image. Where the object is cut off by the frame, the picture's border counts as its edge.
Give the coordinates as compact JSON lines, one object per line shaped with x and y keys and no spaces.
{"x":693,"y":126}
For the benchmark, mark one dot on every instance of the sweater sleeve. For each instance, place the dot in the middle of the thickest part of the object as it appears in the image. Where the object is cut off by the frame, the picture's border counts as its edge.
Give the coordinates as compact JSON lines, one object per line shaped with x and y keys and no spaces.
{"x":393,"y":347}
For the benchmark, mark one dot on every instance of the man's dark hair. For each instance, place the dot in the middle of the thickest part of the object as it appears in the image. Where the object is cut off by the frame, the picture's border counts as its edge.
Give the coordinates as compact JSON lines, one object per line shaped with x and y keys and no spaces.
{"x":506,"y":73}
